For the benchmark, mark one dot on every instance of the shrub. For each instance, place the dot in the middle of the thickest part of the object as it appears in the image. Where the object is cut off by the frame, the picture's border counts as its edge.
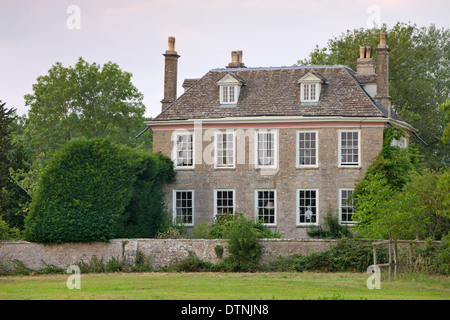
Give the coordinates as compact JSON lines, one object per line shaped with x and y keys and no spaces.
{"x":331,"y":230}
{"x":94,"y":190}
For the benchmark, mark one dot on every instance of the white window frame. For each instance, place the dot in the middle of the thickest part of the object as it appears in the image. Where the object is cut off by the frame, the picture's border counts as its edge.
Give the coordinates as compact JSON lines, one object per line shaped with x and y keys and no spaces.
{"x":298,"y":207}
{"x":275,"y":148}
{"x":307,"y":98}
{"x":216,"y":149}
{"x":274,"y":206}
{"x":215,"y":200}
{"x":174,"y":206}
{"x":349,"y":164}
{"x":347,"y":223}
{"x":175,"y":148}
{"x":225,"y":98}
{"x":316,"y":147}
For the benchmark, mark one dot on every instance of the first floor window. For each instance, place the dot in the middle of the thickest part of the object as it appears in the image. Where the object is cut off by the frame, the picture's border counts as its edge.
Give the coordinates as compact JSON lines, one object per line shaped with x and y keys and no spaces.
{"x":183,"y":206}
{"x":266,"y":149}
{"x":184,"y":150}
{"x":224,"y":150}
{"x":307,"y":148}
{"x":224,"y":202}
{"x":349,"y":148}
{"x":307,"y":206}
{"x":346,"y":206}
{"x":266,"y":206}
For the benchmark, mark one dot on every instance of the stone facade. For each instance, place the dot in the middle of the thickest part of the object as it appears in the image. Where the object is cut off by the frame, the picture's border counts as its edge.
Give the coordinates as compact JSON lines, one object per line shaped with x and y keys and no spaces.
{"x":328,"y":177}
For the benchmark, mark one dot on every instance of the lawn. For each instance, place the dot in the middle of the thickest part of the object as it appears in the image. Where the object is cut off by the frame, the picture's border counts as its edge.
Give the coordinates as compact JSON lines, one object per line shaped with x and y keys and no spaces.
{"x":224,"y":286}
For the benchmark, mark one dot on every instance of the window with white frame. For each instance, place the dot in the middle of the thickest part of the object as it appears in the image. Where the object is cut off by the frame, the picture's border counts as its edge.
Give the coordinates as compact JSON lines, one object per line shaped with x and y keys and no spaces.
{"x":265,"y":203}
{"x":307,"y":202}
{"x":307,"y":146}
{"x":224,"y":150}
{"x":346,"y":206}
{"x":183,"y":206}
{"x":266,"y":149}
{"x":184,"y":150}
{"x":228,"y":95}
{"x":309,"y":92}
{"x":223,"y":201}
{"x":349,"y":148}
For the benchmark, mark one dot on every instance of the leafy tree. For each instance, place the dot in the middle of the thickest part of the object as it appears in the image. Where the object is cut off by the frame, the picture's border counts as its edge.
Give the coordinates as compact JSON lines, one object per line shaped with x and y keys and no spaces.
{"x":419,"y":64}
{"x":86,"y":100}
{"x":384,"y":213}
{"x":92,"y":189}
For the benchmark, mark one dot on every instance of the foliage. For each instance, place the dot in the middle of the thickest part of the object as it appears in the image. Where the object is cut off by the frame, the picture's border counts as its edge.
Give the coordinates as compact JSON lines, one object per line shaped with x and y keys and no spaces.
{"x":90,"y":191}
{"x":86,"y":100}
{"x":11,"y":196}
{"x":445,"y":109}
{"x":7,"y":232}
{"x":332,"y":229}
{"x":419,"y":63}
{"x":346,"y":255}
{"x":384,"y":213}
{"x":434,"y":257}
{"x":223,"y":223}
{"x":428,"y":186}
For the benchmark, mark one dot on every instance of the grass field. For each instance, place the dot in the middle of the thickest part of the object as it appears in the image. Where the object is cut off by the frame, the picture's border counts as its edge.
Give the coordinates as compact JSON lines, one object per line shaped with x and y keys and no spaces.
{"x":224,"y":286}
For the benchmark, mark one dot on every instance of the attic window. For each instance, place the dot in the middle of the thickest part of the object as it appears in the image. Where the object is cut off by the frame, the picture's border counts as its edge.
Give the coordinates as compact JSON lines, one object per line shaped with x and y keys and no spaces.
{"x":309,"y":92}
{"x":229,"y":89}
{"x":228,"y":95}
{"x":310,"y":87}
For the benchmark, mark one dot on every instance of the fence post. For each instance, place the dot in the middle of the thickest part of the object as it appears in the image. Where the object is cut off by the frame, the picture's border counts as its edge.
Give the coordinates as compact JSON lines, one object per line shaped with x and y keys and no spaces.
{"x":390,"y":259}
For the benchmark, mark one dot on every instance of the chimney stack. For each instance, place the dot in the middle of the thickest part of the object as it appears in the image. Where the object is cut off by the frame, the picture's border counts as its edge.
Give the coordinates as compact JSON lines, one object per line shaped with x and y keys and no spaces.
{"x":382,"y":96}
{"x":365,"y":65}
{"x":236,"y":60}
{"x":170,"y":74}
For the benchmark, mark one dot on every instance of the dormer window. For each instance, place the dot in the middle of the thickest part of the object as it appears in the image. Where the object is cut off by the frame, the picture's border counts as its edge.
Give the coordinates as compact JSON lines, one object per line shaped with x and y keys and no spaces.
{"x":229,"y":89}
{"x":310,"y":87}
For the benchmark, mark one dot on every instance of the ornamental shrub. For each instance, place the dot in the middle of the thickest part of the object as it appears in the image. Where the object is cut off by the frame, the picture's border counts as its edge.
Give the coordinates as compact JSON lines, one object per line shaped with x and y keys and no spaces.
{"x":91,"y":191}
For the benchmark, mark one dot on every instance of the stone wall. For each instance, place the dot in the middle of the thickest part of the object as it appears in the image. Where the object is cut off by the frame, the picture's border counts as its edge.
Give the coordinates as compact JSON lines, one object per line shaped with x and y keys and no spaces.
{"x":161,"y":252}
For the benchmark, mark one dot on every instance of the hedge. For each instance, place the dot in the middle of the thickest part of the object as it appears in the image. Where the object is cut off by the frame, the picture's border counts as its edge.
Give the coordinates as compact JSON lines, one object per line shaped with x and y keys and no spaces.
{"x":95,"y":190}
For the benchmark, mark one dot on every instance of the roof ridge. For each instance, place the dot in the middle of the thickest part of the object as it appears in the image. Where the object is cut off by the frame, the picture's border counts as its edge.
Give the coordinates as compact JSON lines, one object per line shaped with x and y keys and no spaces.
{"x":337,"y":66}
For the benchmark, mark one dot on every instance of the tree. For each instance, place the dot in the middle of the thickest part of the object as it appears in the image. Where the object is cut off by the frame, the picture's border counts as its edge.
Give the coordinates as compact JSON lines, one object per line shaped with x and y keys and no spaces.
{"x":445,"y":108}
{"x":86,"y":100}
{"x":11,"y":196}
{"x":419,"y":64}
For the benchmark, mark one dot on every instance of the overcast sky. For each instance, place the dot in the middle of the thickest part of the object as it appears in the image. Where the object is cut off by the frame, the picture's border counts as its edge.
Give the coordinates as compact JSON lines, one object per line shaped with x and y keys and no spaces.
{"x":34,"y":35}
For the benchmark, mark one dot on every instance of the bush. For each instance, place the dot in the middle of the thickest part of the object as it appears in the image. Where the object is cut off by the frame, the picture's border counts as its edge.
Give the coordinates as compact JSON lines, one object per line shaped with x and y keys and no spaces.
{"x":332,"y":229}
{"x":94,"y":190}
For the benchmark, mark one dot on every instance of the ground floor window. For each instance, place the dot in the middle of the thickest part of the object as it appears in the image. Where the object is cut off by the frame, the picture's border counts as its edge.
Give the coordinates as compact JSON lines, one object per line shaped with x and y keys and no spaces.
{"x":183,"y":206}
{"x":265,"y":202}
{"x":223,"y":201}
{"x":346,"y":206}
{"x":307,"y":206}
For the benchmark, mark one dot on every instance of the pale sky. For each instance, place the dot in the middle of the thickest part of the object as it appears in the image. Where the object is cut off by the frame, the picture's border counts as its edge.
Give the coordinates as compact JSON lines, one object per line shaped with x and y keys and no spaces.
{"x":36,"y":34}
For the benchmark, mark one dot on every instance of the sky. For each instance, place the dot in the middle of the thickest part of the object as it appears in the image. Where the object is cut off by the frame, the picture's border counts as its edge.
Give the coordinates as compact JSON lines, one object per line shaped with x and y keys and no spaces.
{"x":34,"y":35}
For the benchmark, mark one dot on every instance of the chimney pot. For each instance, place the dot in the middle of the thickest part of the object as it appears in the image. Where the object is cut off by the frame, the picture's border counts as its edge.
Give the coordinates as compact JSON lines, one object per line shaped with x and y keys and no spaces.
{"x":171,"y":44}
{"x":362,"y":52}
{"x":382,"y":38}
{"x":236,"y":60}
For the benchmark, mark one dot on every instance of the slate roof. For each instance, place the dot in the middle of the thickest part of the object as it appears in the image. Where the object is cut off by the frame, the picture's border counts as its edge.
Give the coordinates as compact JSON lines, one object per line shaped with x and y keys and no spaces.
{"x":275,"y":91}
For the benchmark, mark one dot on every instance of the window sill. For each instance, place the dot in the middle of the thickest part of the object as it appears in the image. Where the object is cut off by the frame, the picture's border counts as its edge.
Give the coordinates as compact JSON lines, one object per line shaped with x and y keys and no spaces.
{"x":184,"y":169}
{"x":305,"y":225}
{"x":307,"y":167}
{"x":350,"y":167}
